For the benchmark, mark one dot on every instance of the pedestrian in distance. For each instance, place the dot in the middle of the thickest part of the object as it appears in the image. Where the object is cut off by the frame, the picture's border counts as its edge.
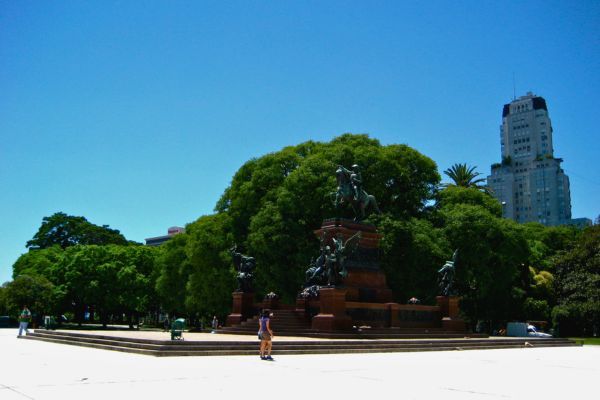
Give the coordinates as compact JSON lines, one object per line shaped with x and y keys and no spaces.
{"x":215,"y":324}
{"x":265,"y":334}
{"x":24,"y":319}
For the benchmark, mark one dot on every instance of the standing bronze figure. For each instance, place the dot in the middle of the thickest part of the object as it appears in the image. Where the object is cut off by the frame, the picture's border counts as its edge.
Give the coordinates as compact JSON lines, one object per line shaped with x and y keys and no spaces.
{"x":329,"y":269}
{"x":446,"y":277}
{"x":244,"y":266}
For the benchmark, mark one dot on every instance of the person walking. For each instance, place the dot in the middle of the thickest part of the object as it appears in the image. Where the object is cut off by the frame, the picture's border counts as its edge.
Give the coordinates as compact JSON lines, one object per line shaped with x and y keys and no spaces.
{"x":214,"y":324}
{"x":266,"y":335}
{"x":24,"y":319}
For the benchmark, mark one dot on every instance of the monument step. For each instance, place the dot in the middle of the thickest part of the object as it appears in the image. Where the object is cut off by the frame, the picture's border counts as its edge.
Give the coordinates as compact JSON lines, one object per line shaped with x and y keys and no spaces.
{"x":154,"y":342}
{"x":216,"y":348}
{"x":254,"y":323}
{"x":328,"y":335}
{"x":384,"y":333}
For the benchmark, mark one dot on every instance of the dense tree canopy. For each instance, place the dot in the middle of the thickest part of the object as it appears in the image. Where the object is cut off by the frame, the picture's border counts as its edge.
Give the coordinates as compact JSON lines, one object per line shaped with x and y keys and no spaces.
{"x":455,"y":195}
{"x":578,"y":286}
{"x":34,"y":291}
{"x":41,"y":262}
{"x":412,"y":252}
{"x":108,"y":279}
{"x":173,"y":270}
{"x":66,"y":230}
{"x":276,"y":202}
{"x":211,"y":277}
{"x":491,"y":251}
{"x":504,"y":271}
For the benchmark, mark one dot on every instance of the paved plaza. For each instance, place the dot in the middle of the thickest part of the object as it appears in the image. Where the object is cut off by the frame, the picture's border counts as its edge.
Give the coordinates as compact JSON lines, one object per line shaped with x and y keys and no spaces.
{"x":41,"y":370}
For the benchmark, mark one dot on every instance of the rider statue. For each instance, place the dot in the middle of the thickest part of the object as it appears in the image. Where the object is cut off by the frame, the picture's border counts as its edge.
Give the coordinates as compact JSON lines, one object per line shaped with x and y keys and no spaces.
{"x":355,"y":180}
{"x":350,"y":192}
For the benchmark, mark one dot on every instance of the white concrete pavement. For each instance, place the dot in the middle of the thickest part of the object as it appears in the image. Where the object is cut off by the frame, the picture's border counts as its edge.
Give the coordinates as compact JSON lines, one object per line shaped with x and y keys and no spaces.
{"x":41,"y":370}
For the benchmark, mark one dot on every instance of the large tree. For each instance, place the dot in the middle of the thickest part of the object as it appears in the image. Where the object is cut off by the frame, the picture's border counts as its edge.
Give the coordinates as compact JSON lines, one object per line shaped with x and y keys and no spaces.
{"x":209,"y":270}
{"x":35,"y":291}
{"x":108,"y":280}
{"x":276,"y":202}
{"x":39,"y":262}
{"x":195,"y":275}
{"x":492,"y":252}
{"x":412,"y":252}
{"x":173,"y":271}
{"x":454,"y":195}
{"x":578,"y":286}
{"x":66,"y":230}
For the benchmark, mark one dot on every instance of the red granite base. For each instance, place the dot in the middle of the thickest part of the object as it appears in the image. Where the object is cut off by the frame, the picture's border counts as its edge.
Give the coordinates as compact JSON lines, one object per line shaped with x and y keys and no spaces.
{"x":368,"y":286}
{"x":449,"y":306}
{"x":332,"y":314}
{"x":243,"y":308}
{"x":331,"y":323}
{"x":451,"y":324}
{"x":234,"y":319}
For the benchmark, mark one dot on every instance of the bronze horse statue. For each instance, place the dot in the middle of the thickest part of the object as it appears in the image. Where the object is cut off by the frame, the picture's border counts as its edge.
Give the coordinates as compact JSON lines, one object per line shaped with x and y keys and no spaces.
{"x":349,"y":191}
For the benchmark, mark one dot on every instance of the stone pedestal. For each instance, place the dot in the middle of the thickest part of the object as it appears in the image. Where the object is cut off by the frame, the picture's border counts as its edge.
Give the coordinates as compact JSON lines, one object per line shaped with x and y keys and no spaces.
{"x":450,"y":313}
{"x":448,"y":306}
{"x":393,"y":312}
{"x":243,"y":304}
{"x":367,"y":285}
{"x":412,"y":316}
{"x":301,"y":304}
{"x":332,"y":314}
{"x":271,"y":304}
{"x":454,"y":325}
{"x":365,"y":281}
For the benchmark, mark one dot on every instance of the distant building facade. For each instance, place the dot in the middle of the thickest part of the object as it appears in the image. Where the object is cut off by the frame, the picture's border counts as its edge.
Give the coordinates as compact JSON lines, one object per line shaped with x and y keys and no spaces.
{"x":581,"y":223}
{"x":158,"y":240}
{"x":529,"y":182}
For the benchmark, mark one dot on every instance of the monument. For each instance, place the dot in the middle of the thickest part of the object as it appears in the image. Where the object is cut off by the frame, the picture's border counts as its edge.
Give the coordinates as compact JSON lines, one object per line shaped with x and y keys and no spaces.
{"x":352,"y":274}
{"x":243,"y":296}
{"x":345,"y":287}
{"x":448,"y":301}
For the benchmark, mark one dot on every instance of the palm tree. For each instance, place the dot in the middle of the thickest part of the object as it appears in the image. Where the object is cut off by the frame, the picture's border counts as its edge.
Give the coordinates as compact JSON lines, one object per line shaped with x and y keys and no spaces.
{"x":464,"y":176}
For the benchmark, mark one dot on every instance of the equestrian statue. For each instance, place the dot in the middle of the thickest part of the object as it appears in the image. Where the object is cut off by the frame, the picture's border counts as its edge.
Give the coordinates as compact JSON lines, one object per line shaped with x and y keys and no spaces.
{"x":350,"y":192}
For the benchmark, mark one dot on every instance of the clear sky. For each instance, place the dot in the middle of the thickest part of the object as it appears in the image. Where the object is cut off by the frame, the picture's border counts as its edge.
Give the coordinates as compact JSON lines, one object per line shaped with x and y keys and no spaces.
{"x":137,"y":114}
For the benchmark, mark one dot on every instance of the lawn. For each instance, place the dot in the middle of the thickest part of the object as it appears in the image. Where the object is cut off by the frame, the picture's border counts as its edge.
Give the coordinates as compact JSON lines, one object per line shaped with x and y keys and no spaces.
{"x":588,"y":340}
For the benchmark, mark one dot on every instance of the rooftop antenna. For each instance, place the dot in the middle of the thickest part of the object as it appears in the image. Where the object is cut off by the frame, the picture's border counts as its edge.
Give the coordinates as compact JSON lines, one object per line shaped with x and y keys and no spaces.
{"x":514,"y":87}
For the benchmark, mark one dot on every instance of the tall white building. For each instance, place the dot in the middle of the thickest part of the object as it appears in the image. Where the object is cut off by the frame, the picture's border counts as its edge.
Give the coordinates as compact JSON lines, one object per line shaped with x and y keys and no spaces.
{"x":529,"y":182}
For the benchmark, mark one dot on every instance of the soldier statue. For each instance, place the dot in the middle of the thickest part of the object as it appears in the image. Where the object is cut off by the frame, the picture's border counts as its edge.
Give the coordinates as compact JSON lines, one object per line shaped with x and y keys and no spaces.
{"x":244,"y":266}
{"x":446,"y":276}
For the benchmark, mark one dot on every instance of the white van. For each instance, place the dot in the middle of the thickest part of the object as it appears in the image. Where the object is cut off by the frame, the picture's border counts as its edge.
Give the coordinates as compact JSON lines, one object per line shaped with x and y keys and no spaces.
{"x":523,"y":329}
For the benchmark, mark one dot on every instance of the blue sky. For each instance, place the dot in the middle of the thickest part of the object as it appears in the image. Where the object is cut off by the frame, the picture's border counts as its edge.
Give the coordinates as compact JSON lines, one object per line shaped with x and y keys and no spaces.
{"x":137,"y":114}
